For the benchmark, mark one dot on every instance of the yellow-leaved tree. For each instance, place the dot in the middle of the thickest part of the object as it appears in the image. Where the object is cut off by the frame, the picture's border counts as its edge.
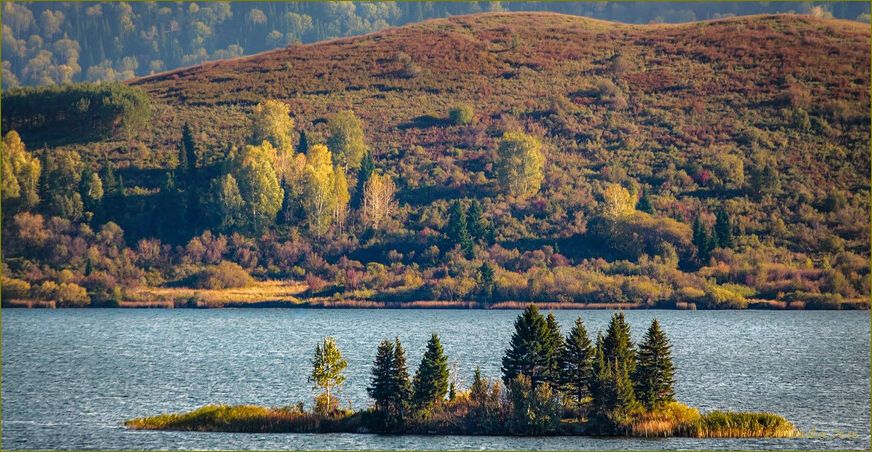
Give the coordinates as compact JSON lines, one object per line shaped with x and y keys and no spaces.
{"x":271,"y":121}
{"x":19,"y":181}
{"x":346,"y":139}
{"x":519,"y":164}
{"x":617,"y":202}
{"x":258,"y":184}
{"x":378,"y":199}
{"x":325,"y":193}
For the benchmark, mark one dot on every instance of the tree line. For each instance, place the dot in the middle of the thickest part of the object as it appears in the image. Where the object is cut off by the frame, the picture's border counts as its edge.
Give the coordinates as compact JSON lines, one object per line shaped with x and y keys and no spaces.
{"x":546,"y":378}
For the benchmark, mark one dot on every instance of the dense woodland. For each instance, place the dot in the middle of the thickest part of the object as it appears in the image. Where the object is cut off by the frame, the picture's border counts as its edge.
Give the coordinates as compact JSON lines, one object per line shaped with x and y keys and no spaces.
{"x":54,"y":43}
{"x":486,"y":158}
{"x":551,"y":385}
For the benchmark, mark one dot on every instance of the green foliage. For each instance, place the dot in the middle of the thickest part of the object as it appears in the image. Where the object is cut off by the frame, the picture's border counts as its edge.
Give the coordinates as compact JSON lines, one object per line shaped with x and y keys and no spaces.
{"x":81,"y":112}
{"x":461,"y":115}
{"x":519,"y":164}
{"x":535,"y":410}
{"x":654,"y":376}
{"x":457,"y":229}
{"x":430,"y":385}
{"x":61,"y":177}
{"x":577,"y":363}
{"x":529,"y":353}
{"x":389,"y":385}
{"x":367,"y":167}
{"x":346,"y":139}
{"x":328,"y":366}
{"x":258,"y":185}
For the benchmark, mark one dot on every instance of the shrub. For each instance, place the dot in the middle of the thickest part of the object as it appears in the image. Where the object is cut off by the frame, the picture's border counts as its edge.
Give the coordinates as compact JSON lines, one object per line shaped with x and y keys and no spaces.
{"x":535,"y":411}
{"x":14,"y":289}
{"x":71,"y":295}
{"x":461,"y":115}
{"x":226,"y":275}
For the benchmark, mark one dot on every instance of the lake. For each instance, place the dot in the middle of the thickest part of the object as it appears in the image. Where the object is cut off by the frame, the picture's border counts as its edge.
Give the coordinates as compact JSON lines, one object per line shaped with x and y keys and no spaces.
{"x":71,"y":377}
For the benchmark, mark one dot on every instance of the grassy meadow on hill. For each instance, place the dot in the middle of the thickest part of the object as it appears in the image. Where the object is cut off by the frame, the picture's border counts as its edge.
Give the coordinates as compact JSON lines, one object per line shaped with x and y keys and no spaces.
{"x":717,"y":164}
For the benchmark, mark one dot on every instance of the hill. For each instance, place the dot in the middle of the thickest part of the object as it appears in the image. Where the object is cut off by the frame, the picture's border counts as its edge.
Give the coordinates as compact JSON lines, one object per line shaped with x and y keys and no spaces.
{"x":762,"y":119}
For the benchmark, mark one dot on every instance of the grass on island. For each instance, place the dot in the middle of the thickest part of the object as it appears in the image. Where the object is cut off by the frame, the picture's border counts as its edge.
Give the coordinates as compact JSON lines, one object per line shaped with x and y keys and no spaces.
{"x":675,"y":419}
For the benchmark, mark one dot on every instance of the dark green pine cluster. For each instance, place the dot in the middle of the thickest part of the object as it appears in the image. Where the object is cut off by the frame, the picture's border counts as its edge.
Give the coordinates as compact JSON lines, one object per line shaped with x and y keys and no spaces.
{"x":608,"y":379}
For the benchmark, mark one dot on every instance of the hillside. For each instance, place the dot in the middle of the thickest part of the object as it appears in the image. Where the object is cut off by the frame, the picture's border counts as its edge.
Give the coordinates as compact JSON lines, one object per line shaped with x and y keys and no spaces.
{"x":765,"y":118}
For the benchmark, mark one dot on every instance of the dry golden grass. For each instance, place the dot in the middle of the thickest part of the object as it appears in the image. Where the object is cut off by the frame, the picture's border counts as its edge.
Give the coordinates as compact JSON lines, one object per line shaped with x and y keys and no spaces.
{"x":260,"y":292}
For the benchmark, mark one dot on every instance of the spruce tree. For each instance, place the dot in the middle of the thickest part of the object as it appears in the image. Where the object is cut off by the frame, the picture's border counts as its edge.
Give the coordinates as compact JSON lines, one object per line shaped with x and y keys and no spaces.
{"x":654,"y":376}
{"x":528,"y":352}
{"x":303,"y":145}
{"x":431,"y":378}
{"x":553,"y":350}
{"x":486,"y":280}
{"x":402,"y":387}
{"x":457,"y":229}
{"x":367,"y":166}
{"x":700,"y":239}
{"x":724,"y":229}
{"x":475,"y":224}
{"x":381,"y":382}
{"x":644,"y":204}
{"x":576,"y":363}
{"x":617,"y":346}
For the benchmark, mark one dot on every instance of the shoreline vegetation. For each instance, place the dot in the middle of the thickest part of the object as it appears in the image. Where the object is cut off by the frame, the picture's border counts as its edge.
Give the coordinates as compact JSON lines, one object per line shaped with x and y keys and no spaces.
{"x":551,"y":385}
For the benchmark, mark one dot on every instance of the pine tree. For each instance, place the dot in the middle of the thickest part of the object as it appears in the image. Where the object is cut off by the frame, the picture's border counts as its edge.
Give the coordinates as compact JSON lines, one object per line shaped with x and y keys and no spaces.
{"x":724,"y":229}
{"x":381,"y":385}
{"x":475,"y":224}
{"x":553,"y":350}
{"x":431,"y":378}
{"x":617,"y":346}
{"x":577,"y":363}
{"x":367,"y":166}
{"x":700,"y":239}
{"x":187,"y":153}
{"x":654,"y":376}
{"x":402,"y":387}
{"x":644,"y":204}
{"x":527,"y":353}
{"x":457,"y":229}
{"x":303,"y":145}
{"x":486,"y":280}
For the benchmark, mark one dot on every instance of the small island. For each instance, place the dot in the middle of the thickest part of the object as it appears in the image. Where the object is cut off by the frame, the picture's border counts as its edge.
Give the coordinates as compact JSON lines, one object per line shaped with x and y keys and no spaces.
{"x":550,"y":385}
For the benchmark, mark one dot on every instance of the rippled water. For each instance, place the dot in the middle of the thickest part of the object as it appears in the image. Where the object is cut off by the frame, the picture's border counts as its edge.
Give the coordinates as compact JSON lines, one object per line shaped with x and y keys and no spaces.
{"x":70,"y":377}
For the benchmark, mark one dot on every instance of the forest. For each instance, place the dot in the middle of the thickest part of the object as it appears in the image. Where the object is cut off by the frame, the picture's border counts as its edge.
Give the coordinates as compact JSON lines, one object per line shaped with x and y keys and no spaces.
{"x":551,"y":384}
{"x":56,"y":43}
{"x":574,"y":162}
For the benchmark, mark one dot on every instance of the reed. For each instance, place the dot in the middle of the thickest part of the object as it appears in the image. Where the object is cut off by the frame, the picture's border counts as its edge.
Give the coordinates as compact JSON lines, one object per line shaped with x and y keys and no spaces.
{"x":724,"y":424}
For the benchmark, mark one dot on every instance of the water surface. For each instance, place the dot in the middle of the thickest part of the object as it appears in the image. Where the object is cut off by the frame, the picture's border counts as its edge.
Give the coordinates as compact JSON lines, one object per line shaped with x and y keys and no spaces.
{"x":71,"y":377}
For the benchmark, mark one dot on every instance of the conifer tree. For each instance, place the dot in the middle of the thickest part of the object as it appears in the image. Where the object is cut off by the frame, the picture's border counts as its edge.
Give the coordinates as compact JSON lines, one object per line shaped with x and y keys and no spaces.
{"x":402,"y":395}
{"x":577,"y":363}
{"x":381,"y":387}
{"x":457,"y":229}
{"x":654,"y":376}
{"x":528,"y":352}
{"x":617,"y":346}
{"x":431,"y":378}
{"x":303,"y":145}
{"x":475,"y":224}
{"x":700,"y":239}
{"x":724,"y":229}
{"x":553,"y":349}
{"x":644,"y":204}
{"x":367,"y":166}
{"x":486,"y":280}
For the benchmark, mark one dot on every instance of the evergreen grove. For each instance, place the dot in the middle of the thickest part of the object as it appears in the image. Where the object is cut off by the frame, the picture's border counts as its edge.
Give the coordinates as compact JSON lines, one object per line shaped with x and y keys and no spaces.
{"x":547,"y":379}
